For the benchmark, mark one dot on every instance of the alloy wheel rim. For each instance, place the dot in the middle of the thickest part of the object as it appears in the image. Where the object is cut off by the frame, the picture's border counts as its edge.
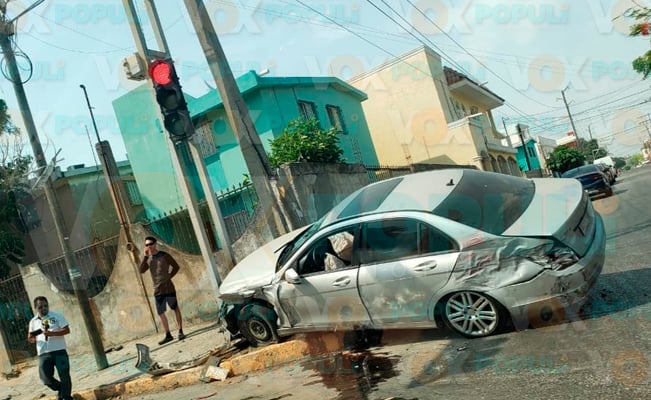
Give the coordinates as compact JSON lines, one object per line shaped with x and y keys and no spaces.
{"x":258,"y":329}
{"x":471,"y":313}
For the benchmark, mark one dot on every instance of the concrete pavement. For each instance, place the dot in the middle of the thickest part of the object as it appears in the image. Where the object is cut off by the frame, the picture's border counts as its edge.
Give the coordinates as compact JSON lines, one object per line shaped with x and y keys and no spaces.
{"x":122,"y":377}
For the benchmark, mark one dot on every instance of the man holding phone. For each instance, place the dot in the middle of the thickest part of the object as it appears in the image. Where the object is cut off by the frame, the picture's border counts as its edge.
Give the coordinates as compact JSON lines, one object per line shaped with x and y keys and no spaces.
{"x":163,"y":268}
{"x":47,"y":329}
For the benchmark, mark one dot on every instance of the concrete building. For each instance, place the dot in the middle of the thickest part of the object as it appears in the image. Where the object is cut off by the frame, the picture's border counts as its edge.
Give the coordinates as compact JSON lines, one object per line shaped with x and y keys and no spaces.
{"x":421,"y":112}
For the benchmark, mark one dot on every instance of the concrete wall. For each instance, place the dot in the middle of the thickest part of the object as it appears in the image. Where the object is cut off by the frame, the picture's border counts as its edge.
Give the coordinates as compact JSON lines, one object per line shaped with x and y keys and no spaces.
{"x":305,"y":191}
{"x":125,"y":309}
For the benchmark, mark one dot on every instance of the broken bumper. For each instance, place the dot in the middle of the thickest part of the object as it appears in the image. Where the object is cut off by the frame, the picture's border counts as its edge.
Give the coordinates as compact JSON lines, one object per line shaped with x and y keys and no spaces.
{"x":555,"y":296}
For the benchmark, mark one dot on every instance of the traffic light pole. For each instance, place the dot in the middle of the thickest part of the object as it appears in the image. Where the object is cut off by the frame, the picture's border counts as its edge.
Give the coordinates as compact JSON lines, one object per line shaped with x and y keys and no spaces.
{"x":179,"y":166}
{"x":78,"y":286}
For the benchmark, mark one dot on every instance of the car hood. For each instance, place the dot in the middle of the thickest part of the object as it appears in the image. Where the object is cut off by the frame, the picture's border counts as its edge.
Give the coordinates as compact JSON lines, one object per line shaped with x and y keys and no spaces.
{"x":257,"y":269}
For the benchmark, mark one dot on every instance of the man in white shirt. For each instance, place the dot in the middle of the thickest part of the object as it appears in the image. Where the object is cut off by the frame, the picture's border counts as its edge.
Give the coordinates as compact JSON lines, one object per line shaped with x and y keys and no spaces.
{"x":47,"y":329}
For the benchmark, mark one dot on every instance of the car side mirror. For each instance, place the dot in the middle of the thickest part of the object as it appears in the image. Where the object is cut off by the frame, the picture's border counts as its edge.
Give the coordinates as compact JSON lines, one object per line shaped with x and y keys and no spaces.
{"x":291,"y":276}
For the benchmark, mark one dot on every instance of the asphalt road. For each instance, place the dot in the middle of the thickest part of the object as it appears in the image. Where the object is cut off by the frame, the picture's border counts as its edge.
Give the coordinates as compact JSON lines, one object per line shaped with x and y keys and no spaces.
{"x":603,"y":353}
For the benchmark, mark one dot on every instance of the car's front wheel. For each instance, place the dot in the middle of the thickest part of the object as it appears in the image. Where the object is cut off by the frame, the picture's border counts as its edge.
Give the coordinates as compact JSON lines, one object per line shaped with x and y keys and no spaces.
{"x":257,"y":323}
{"x":473,"y":314}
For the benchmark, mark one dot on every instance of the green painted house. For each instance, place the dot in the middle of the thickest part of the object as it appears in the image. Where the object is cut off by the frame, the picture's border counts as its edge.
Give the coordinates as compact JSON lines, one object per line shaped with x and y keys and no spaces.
{"x":272,"y":101}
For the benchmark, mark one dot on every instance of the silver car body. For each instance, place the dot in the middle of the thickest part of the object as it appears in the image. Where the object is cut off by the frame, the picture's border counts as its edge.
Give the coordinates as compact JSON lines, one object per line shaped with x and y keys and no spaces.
{"x":510,"y":264}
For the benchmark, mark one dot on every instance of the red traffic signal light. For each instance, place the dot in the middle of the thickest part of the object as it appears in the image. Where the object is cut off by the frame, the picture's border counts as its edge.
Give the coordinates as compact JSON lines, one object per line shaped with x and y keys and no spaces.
{"x":176,"y":117}
{"x":161,"y":72}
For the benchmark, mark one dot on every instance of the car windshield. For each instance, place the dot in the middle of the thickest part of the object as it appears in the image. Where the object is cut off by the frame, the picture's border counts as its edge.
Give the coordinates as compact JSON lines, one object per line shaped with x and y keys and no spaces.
{"x":580,"y":171}
{"x":297,"y":242}
{"x":490,"y":202}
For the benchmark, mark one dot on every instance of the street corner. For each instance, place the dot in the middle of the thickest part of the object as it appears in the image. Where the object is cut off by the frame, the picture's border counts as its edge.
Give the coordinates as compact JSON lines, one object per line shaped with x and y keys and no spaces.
{"x":140,"y":386}
{"x":291,"y":351}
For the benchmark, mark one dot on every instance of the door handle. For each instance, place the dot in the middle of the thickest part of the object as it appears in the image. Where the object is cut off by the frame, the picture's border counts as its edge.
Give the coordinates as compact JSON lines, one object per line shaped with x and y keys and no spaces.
{"x":341,"y":282}
{"x":427,"y":266}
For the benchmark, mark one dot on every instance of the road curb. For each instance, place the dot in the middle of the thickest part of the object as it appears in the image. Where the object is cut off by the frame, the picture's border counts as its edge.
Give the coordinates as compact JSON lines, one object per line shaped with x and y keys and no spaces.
{"x":276,"y":355}
{"x":269,"y":357}
{"x":148,"y":384}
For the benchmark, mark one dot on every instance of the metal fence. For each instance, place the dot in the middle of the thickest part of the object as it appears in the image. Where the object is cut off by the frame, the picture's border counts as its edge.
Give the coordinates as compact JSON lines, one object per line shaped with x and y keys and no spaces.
{"x":15,"y":313}
{"x":379,"y":173}
{"x":236,"y":205}
{"x":95,"y":264}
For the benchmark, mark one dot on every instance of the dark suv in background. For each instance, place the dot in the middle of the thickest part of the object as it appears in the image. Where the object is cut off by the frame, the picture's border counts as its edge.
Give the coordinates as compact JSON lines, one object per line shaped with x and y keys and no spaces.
{"x":609,"y":171}
{"x":593,"y":179}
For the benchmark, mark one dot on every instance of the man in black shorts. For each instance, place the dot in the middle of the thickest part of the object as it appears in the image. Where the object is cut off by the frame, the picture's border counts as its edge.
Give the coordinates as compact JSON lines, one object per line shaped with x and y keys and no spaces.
{"x":163,"y":268}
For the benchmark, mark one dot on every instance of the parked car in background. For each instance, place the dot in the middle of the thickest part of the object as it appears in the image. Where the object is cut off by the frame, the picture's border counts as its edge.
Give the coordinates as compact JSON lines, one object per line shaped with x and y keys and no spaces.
{"x":592,"y":178}
{"x":471,"y":250}
{"x":609,"y":162}
{"x":610,"y":173}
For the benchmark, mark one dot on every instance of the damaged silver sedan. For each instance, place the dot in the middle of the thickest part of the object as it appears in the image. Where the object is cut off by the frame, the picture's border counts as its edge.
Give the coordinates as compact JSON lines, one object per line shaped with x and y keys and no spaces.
{"x":471,"y":250}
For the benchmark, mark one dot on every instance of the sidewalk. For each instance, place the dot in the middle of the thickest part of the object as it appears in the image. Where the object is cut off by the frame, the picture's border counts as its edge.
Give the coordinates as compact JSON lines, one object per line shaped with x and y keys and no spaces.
{"x":122,"y":376}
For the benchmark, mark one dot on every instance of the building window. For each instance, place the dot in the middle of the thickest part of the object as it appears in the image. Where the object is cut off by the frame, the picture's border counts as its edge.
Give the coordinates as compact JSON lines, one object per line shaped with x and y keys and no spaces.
{"x":336,"y":118}
{"x":133,"y":193}
{"x":307,"y":109}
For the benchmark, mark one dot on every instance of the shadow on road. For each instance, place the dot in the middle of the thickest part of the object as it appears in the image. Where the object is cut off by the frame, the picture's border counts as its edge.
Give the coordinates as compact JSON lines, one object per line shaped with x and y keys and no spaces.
{"x":631,"y":229}
{"x":619,"y":292}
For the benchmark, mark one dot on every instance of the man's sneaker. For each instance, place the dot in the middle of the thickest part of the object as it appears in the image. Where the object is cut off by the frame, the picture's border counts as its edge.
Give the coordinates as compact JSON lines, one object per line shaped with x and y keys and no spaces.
{"x":181,"y":335}
{"x":168,"y":338}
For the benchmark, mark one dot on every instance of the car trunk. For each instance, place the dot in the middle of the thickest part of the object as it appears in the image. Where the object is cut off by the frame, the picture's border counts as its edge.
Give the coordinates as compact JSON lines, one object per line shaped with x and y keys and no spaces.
{"x":561,"y":209}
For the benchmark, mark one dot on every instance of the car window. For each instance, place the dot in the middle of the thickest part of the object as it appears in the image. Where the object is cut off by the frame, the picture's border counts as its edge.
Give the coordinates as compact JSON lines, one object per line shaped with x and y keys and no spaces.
{"x":433,"y":241}
{"x":389,"y":240}
{"x":580,"y":171}
{"x":329,"y":253}
{"x":490,"y":202}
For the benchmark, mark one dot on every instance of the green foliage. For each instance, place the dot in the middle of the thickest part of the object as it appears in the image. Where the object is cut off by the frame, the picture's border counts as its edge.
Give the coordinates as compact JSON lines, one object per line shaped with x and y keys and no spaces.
{"x":641,"y":27}
{"x":591,"y":150}
{"x":565,"y":158}
{"x":13,"y":171}
{"x":304,"y":140}
{"x":636,"y":159}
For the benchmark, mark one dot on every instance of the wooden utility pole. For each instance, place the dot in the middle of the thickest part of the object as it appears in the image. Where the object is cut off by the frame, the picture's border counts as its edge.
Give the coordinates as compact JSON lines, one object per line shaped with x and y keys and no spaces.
{"x":6,"y":32}
{"x":569,"y":114}
{"x":237,"y":111}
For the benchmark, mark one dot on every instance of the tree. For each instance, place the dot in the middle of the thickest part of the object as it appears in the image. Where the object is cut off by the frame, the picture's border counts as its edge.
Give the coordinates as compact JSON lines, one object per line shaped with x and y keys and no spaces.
{"x":565,"y":158}
{"x":304,"y":140}
{"x":14,"y":168}
{"x":641,"y":27}
{"x":591,"y":150}
{"x":636,"y":159}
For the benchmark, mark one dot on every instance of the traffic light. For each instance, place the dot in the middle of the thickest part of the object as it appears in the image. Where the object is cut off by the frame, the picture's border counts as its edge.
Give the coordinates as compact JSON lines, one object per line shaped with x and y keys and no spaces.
{"x":170,"y":98}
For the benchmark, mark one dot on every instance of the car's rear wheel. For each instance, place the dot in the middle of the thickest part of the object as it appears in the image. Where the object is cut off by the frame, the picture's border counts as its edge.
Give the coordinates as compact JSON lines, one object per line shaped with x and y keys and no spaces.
{"x":257,"y":323}
{"x":473,"y":314}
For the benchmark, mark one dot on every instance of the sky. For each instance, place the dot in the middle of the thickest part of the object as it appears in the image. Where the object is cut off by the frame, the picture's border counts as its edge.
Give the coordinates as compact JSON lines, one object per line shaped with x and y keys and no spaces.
{"x":527,"y":52}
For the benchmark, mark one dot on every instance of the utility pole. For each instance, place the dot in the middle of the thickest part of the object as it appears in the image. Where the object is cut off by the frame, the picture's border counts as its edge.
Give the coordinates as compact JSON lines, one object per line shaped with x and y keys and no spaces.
{"x":6,"y":32}
{"x":238,"y":115}
{"x":147,"y":56}
{"x":569,"y":114}
{"x":524,"y":146}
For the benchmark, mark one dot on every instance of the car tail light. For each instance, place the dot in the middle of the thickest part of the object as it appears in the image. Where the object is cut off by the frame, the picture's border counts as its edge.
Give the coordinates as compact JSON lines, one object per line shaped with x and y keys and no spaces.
{"x":558,"y":258}
{"x":561,"y":257}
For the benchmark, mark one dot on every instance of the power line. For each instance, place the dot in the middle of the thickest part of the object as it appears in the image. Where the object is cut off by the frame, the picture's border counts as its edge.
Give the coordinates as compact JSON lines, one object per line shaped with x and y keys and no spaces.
{"x":471,"y":55}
